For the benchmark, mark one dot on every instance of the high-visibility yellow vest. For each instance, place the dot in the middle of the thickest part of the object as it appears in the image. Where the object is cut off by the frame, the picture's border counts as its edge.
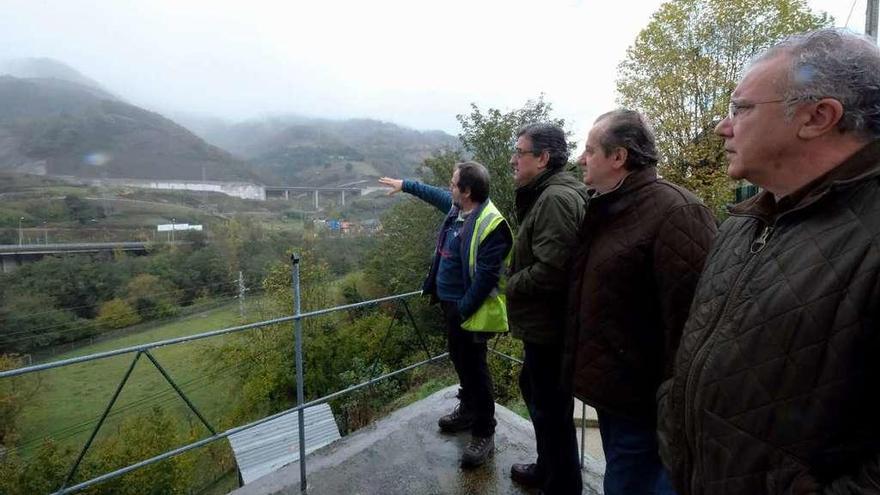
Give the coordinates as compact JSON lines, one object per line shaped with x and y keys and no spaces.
{"x":492,"y":315}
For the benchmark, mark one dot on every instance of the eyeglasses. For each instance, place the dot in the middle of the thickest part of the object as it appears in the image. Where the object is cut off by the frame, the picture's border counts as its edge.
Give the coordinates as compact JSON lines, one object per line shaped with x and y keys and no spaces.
{"x":734,"y":108}
{"x":519,"y":153}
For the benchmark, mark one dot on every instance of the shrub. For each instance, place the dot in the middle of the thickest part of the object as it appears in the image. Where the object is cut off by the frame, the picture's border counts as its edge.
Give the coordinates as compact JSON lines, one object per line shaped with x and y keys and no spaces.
{"x":117,"y":313}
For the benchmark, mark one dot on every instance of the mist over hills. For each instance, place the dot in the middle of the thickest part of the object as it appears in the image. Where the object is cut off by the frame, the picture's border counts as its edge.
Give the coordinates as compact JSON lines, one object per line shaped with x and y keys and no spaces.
{"x":51,"y":125}
{"x":312,"y":151}
{"x":56,"y":121}
{"x":47,"y":68}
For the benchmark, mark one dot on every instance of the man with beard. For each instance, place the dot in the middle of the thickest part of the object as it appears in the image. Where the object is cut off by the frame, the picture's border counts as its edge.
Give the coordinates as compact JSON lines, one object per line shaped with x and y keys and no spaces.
{"x":467,"y":278}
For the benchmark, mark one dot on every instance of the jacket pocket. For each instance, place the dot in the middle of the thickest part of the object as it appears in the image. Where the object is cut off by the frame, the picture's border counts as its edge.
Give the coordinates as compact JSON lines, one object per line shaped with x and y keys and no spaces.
{"x":734,"y":460}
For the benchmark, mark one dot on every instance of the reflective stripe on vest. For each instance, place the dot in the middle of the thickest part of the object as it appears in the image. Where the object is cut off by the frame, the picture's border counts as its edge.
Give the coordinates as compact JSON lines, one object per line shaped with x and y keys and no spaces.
{"x":492,"y":314}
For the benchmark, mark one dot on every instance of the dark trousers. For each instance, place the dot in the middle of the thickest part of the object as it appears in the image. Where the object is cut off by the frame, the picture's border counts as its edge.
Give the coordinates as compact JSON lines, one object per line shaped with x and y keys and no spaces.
{"x":632,"y":464}
{"x":551,"y":407}
{"x":467,"y":350}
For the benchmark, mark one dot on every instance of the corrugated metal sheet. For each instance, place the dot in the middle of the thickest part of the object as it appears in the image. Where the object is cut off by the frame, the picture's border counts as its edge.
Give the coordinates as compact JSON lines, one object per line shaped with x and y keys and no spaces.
{"x":265,"y":448}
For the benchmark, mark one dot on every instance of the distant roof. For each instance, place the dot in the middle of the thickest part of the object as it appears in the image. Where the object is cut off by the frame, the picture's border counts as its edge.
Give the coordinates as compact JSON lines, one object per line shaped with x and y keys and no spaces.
{"x":272,"y":445}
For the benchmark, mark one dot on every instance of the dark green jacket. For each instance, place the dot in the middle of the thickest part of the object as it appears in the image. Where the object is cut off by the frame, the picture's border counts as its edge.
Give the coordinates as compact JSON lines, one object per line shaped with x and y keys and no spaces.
{"x":550,"y":210}
{"x":776,"y":376}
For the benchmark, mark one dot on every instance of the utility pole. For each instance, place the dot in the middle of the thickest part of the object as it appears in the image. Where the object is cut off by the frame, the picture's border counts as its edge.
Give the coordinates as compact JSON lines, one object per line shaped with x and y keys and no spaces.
{"x":871,"y":16}
{"x":172,"y":230}
{"x":241,"y":291}
{"x":19,"y":231}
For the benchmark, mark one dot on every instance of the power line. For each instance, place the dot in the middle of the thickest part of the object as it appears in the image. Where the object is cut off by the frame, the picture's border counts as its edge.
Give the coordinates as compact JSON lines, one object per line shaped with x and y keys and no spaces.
{"x":85,"y":324}
{"x":852,"y":7}
{"x":157,"y":398}
{"x":141,"y":404}
{"x":98,"y":303}
{"x":89,"y":321}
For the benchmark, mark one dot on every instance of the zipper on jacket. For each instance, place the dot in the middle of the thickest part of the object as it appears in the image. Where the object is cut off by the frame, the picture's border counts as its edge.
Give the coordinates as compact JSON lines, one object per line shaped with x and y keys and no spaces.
{"x":759,"y":243}
{"x":705,"y":347}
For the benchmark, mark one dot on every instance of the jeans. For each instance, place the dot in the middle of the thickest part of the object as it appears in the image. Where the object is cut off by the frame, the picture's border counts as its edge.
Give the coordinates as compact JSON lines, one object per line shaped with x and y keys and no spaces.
{"x":467,"y":350}
{"x":632,"y":462}
{"x":551,"y":407}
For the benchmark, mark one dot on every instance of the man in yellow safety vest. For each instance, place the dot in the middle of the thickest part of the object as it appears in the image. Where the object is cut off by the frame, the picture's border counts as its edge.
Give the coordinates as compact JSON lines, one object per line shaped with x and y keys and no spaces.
{"x":467,"y":277}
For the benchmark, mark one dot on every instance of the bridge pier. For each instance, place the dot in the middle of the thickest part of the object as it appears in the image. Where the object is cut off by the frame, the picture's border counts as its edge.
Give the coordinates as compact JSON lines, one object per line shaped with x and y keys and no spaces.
{"x":284,"y":192}
{"x":8,"y":264}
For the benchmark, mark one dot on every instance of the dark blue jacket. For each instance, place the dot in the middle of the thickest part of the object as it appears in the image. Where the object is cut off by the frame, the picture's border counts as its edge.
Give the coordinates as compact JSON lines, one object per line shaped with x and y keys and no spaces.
{"x":490,"y":256}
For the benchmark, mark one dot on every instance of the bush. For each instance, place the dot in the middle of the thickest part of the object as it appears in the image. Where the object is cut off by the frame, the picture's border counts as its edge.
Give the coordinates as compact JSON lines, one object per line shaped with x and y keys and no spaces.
{"x":27,"y":321}
{"x":117,"y":313}
{"x":41,"y":473}
{"x":151,"y":297}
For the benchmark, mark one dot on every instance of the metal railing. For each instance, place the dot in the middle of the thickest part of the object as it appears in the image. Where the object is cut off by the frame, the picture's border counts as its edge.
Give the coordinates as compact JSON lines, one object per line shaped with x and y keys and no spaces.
{"x":296,"y":318}
{"x":144,"y":350}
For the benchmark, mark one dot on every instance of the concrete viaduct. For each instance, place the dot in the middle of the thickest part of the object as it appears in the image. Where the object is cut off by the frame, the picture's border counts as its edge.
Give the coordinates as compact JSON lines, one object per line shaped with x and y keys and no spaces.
{"x":13,"y":256}
{"x":244,"y":190}
{"x":285,"y":192}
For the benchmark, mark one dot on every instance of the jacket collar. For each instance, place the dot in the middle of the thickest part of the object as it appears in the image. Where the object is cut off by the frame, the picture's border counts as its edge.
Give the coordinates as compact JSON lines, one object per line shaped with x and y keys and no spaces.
{"x":862,"y":165}
{"x":540,"y":181}
{"x":527,"y":195}
{"x":636,"y":179}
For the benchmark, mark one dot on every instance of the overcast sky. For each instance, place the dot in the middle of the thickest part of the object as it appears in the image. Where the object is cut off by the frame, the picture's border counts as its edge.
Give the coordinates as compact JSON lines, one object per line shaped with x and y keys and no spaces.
{"x":412,"y":62}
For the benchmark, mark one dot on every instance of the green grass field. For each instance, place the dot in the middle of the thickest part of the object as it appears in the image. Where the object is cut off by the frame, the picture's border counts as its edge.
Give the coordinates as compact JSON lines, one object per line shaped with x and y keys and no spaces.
{"x":70,"y":399}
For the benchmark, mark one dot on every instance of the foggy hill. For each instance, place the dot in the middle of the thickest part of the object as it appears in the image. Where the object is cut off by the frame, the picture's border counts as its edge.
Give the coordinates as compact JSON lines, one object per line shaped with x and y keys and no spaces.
{"x":300,"y":150}
{"x":47,"y":68}
{"x":54,"y":120}
{"x":62,"y":126}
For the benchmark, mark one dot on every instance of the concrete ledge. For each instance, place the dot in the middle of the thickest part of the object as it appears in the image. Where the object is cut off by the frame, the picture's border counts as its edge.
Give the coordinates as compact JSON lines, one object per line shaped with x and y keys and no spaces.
{"x":405,"y":453}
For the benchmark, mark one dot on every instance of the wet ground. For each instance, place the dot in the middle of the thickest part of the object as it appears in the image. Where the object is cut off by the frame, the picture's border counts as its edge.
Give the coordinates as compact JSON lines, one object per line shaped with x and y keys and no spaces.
{"x":405,"y":453}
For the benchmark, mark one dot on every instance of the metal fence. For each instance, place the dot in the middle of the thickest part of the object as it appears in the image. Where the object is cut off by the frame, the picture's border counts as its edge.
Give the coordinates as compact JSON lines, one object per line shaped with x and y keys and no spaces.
{"x":297,"y":318}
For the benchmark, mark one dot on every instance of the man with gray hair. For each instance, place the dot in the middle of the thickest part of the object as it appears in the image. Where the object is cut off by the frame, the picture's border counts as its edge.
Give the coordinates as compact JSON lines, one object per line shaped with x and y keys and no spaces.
{"x":550,"y":206}
{"x":776,"y":378}
{"x":644,"y":242}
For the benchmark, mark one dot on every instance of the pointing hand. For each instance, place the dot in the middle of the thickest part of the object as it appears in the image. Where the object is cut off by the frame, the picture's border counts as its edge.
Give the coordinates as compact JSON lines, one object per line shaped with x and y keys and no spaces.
{"x":396,"y":185}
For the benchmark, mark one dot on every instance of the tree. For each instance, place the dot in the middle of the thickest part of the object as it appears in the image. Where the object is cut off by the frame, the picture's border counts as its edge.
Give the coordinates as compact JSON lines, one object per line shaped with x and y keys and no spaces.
{"x":14,"y":394}
{"x":40,"y":473}
{"x":31,"y":320}
{"x":117,"y":313}
{"x":491,"y":137}
{"x":81,"y":210}
{"x":682,"y":68}
{"x":137,"y":438}
{"x":79,"y":283}
{"x":151,"y":296}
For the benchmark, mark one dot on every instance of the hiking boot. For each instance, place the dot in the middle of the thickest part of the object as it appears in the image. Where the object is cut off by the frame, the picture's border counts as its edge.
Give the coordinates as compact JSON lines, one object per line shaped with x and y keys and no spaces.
{"x":457,"y":420}
{"x":527,"y":475}
{"x":478,"y":451}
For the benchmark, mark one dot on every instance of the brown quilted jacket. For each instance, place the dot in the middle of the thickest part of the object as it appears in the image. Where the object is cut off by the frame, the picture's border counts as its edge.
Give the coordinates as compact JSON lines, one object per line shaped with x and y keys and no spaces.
{"x":642,"y":250}
{"x":777,"y":378}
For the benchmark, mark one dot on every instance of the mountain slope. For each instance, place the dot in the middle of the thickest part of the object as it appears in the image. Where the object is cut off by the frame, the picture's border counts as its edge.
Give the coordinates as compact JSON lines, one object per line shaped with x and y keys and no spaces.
{"x":301,"y":150}
{"x":47,"y":68}
{"x":60,"y":127}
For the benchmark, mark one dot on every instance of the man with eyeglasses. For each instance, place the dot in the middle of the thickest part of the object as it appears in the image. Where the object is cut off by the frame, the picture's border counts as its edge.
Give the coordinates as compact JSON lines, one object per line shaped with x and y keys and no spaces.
{"x":550,"y":206}
{"x":467,"y":278}
{"x":776,"y":377}
{"x":644,"y":244}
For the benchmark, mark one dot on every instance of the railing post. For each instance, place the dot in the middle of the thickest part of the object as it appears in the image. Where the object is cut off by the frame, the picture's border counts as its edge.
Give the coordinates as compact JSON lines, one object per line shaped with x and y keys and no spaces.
{"x":297,"y":325}
{"x":91,"y":439}
{"x":583,"y":431}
